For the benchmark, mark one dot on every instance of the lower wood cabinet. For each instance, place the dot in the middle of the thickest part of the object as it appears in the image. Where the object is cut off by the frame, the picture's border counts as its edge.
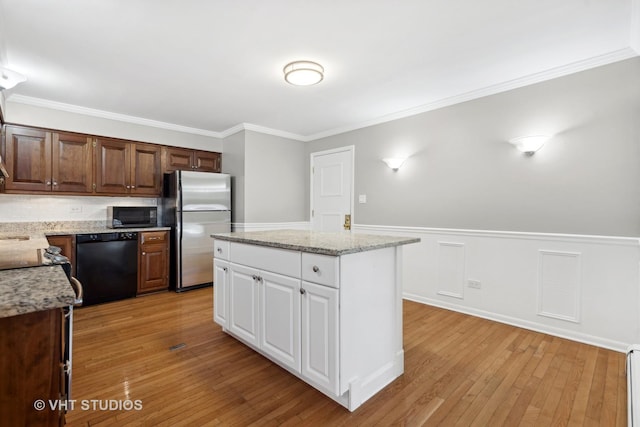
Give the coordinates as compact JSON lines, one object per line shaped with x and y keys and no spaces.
{"x":153,"y":261}
{"x":32,"y":368}
{"x":67,"y":243}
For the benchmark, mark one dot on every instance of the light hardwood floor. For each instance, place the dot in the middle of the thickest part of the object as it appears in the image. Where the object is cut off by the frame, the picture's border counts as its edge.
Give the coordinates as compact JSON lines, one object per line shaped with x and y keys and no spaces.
{"x":459,"y":370}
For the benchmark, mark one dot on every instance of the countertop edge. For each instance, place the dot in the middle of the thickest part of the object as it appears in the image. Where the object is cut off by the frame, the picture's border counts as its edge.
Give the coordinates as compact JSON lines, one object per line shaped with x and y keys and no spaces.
{"x":315,"y":249}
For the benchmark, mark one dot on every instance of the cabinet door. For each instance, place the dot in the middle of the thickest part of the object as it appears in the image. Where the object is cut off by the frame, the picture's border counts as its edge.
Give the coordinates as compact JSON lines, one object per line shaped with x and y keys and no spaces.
{"x":72,"y":163}
{"x":145,"y":169}
{"x":28,"y":159}
{"x":206,"y":161}
{"x":153,"y":258}
{"x":244,"y":307}
{"x":113,"y":171}
{"x":177,"y":159}
{"x":280,"y":318}
{"x":319,"y":336}
{"x":220,"y":288}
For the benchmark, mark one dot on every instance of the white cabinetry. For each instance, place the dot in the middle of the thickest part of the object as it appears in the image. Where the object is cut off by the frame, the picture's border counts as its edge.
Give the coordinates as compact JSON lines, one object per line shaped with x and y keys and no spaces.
{"x":334,"y":321}
{"x":320,"y":336}
{"x":221,"y":278}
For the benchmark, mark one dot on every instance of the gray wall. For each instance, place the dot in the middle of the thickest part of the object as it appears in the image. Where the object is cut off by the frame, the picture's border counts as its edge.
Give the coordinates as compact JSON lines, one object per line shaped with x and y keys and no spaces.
{"x":462,"y":173}
{"x":268,"y":177}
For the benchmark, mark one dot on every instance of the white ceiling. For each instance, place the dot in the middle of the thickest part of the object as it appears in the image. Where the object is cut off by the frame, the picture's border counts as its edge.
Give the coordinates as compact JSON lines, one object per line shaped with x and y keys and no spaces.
{"x":215,"y":66}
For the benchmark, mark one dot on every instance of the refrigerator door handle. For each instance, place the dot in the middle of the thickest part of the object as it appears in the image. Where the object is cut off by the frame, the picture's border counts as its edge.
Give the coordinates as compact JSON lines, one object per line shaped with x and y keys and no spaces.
{"x":178,"y":250}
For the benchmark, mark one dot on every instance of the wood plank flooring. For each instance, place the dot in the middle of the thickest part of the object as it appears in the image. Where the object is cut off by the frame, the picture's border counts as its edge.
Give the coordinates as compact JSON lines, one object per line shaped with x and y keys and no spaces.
{"x":459,"y":370}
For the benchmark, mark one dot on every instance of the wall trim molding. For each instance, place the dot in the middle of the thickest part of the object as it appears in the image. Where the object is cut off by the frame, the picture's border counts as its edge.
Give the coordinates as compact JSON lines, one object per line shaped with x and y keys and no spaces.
{"x":261,"y":226}
{"x":570,"y":238}
{"x":537,"y":327}
{"x":574,"y":67}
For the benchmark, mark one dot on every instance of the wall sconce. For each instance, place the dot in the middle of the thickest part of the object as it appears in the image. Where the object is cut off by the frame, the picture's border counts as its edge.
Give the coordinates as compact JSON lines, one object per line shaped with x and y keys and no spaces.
{"x":529,"y":144}
{"x":10,"y":78}
{"x":395,"y":162}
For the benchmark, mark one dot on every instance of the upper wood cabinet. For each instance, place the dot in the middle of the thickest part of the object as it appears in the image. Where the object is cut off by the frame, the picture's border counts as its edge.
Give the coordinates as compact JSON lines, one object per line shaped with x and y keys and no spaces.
{"x":39,"y":160}
{"x":175,"y":158}
{"x":127,"y":168}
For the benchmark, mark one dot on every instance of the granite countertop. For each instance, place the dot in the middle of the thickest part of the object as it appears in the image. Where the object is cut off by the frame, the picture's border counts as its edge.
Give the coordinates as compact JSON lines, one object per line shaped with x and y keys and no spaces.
{"x":59,"y":228}
{"x":26,"y":290}
{"x":334,"y":244}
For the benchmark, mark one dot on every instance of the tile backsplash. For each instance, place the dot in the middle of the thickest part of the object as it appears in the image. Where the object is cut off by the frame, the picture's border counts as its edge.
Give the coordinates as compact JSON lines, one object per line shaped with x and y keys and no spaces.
{"x":27,"y":208}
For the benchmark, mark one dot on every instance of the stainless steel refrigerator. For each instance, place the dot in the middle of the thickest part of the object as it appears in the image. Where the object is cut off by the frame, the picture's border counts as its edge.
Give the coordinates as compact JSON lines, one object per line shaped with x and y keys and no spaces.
{"x":195,"y":205}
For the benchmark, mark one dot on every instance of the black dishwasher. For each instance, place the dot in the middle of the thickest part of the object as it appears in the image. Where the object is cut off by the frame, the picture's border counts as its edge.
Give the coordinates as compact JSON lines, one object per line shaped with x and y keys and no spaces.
{"x":107,"y":266}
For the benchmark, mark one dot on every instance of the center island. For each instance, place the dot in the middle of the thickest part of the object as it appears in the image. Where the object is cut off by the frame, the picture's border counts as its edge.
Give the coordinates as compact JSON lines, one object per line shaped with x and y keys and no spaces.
{"x":327,"y":307}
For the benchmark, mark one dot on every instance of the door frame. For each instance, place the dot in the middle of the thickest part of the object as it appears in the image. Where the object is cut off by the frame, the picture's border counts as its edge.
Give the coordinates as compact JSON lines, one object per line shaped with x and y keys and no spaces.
{"x":351,"y":149}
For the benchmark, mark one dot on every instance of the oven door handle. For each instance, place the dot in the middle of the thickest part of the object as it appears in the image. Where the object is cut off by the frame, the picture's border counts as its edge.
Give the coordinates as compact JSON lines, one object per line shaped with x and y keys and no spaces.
{"x":77,"y":288}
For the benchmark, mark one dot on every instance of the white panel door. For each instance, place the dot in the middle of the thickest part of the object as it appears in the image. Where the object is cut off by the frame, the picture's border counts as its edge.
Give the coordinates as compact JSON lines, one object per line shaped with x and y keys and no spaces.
{"x":220,"y":288}
{"x":320,"y":336}
{"x":280,"y":318}
{"x":244,"y":304}
{"x":332,"y":188}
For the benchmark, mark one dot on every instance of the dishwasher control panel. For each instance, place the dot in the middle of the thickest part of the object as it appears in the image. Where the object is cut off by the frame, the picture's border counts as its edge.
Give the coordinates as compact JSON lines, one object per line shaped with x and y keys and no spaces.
{"x":106,"y":237}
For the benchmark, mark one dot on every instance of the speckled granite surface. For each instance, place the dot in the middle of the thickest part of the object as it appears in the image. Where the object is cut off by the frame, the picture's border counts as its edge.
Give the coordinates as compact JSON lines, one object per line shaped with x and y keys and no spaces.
{"x":53,"y":228}
{"x":25,"y":290}
{"x":334,"y":244}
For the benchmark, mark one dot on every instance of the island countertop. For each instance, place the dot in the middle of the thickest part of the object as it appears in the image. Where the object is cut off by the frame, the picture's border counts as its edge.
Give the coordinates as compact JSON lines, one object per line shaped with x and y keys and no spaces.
{"x":324,"y":243}
{"x":25,"y":290}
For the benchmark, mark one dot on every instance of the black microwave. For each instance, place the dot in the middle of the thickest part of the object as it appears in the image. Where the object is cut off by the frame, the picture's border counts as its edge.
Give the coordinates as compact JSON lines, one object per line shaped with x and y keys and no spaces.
{"x":132,"y":216}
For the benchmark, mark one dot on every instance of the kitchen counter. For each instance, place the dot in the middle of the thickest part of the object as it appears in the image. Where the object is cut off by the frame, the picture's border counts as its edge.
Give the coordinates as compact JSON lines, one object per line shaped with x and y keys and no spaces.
{"x":324,"y":243}
{"x":26,"y":290}
{"x":59,"y":228}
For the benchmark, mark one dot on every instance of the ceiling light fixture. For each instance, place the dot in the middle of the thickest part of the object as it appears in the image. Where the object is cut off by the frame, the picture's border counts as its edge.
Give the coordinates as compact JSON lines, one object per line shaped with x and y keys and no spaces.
{"x":10,"y":78}
{"x":529,"y":144}
{"x":303,"y":73}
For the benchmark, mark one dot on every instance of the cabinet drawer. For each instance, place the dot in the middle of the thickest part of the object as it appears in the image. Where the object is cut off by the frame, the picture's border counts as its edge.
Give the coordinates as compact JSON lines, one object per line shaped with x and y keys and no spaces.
{"x":221,"y":249}
{"x":153,"y":237}
{"x":265,"y":258}
{"x":322,"y":269}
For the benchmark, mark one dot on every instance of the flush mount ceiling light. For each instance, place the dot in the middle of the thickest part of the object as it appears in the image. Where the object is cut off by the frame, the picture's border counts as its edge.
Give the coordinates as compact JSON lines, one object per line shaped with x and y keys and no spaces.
{"x":394,"y":163}
{"x":303,"y":73}
{"x":10,"y":78}
{"x":529,"y":144}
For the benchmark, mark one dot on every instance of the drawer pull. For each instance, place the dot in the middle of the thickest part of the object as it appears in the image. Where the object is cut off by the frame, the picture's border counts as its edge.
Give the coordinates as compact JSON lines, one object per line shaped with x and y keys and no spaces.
{"x":315,"y":268}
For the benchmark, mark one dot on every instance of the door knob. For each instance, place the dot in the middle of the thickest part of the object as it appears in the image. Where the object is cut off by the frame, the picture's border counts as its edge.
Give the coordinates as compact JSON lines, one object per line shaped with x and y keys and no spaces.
{"x":347,"y":222}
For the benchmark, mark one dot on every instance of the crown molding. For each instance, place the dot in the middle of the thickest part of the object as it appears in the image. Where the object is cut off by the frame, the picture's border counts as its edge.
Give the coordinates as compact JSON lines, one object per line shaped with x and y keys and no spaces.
{"x":634,"y":36}
{"x":530,"y":79}
{"x":608,"y":58}
{"x":261,"y":129}
{"x":45,"y":103}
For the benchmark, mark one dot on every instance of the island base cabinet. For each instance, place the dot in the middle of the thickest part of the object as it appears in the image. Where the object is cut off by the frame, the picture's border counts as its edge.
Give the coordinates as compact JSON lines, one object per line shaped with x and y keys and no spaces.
{"x":337,"y":326}
{"x":320,"y":336}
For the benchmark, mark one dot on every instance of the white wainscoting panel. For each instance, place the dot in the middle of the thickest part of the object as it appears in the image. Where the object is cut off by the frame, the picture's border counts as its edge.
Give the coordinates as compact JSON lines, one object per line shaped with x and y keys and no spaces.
{"x":590,"y":284}
{"x":559,"y":285}
{"x":262,"y":226}
{"x":451,"y":269}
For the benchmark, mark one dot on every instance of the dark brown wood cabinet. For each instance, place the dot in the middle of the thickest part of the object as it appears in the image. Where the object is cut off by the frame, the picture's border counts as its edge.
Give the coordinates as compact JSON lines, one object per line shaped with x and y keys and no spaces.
{"x":42,"y":161}
{"x":31,"y":368}
{"x":68,"y":245}
{"x":175,"y":158}
{"x":153,"y":261}
{"x":124,"y":167}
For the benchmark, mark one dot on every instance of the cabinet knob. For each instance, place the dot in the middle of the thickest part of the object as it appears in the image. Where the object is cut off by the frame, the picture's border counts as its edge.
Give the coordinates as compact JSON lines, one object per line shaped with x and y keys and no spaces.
{"x":219,"y":250}
{"x":48,"y":182}
{"x":128,"y":186}
{"x":224,"y":269}
{"x":133,"y":186}
{"x":302,"y":291}
{"x":55,"y":182}
{"x":315,"y":268}
{"x":144,"y":253}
